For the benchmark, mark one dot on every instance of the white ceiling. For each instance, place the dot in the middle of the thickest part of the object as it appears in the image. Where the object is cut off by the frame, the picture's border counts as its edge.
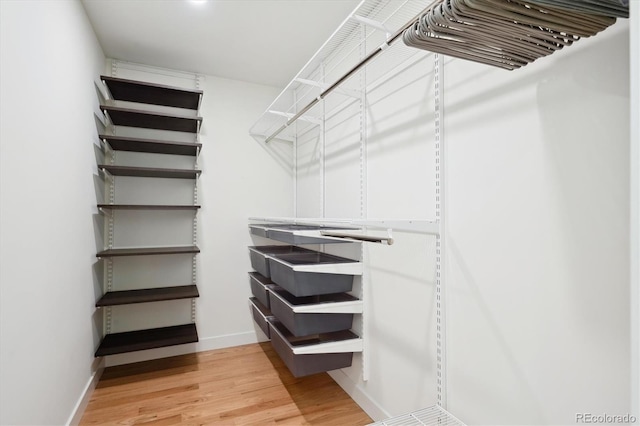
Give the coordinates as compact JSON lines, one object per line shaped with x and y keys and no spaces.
{"x":260,"y":41}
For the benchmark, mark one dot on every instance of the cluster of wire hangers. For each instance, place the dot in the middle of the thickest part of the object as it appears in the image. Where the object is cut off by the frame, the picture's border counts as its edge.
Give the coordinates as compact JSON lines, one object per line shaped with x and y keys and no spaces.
{"x":510,"y":34}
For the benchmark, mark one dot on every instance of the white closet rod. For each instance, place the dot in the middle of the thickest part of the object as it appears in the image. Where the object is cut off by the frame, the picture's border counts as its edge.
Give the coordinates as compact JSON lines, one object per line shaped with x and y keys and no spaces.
{"x":394,"y":37}
{"x":408,"y":225}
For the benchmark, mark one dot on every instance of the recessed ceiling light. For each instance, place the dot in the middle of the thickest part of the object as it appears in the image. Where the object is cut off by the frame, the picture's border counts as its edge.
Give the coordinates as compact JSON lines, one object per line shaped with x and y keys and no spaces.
{"x":198,"y":1}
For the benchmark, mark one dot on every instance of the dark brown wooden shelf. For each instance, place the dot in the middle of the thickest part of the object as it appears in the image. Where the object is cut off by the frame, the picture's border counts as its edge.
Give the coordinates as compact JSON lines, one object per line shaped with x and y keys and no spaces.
{"x":147,"y":207}
{"x":131,"y":341}
{"x":156,"y":146}
{"x":150,"y":93}
{"x":150,"y":172}
{"x":151,"y":119}
{"x":147,"y":251}
{"x":127,"y":297}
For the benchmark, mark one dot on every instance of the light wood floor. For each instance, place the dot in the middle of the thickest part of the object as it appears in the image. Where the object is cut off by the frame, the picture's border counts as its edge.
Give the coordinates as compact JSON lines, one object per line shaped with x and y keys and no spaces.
{"x":244,"y":385}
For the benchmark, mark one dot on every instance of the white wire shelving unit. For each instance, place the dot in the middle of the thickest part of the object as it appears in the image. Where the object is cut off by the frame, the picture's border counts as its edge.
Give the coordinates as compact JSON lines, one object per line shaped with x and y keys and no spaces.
{"x":369,"y":28}
{"x":340,"y":74}
{"x":434,"y":415}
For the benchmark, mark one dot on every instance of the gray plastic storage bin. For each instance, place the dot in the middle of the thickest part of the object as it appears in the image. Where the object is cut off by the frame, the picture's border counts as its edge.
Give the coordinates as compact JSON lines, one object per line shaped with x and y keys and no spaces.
{"x":303,"y":365}
{"x":260,"y":286}
{"x":283,"y":304}
{"x":261,"y":315}
{"x":263,"y":230}
{"x":309,"y":283}
{"x":259,"y":230}
{"x":258,"y":256}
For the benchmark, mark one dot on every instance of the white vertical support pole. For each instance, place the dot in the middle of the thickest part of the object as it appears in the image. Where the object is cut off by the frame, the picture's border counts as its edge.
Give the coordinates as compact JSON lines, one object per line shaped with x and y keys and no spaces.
{"x":194,"y":236}
{"x":194,"y":240}
{"x":322,"y":148}
{"x":111,"y":190}
{"x":634,"y":201}
{"x":107,"y":319}
{"x":364,"y":279}
{"x":295,"y":157}
{"x":114,"y":73}
{"x":111,"y":222}
{"x":440,"y":239}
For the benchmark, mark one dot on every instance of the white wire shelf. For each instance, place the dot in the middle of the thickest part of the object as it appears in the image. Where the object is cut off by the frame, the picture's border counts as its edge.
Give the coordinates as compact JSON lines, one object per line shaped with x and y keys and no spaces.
{"x":434,"y":415}
{"x":367,"y":28}
{"x":417,"y":226}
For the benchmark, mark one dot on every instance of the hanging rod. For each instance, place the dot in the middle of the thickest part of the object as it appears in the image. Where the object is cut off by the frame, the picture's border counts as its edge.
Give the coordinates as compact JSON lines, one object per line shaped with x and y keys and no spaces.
{"x":394,"y":37}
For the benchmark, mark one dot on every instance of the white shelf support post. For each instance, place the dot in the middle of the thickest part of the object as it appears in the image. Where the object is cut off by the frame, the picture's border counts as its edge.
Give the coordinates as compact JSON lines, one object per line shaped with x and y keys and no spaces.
{"x":441,"y":339}
{"x":295,"y":160}
{"x":194,"y":241}
{"x":364,"y":279}
{"x":111,"y":190}
{"x":323,"y":147}
{"x":194,"y":227}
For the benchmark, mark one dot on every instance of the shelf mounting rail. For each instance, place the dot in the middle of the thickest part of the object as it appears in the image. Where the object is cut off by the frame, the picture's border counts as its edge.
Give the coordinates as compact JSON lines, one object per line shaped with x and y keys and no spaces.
{"x":390,"y":40}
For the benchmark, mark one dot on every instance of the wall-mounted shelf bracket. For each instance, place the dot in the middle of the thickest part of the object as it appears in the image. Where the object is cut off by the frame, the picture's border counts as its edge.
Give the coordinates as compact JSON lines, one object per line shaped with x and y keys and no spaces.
{"x":350,"y":345}
{"x":105,"y":211}
{"x":380,"y":26}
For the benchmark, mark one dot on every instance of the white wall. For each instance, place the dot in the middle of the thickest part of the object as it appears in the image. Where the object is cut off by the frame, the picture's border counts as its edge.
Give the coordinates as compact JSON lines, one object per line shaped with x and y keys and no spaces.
{"x":538,"y":235}
{"x":537,"y":244}
{"x":239,"y":178}
{"x":50,"y":59}
{"x":242,"y":178}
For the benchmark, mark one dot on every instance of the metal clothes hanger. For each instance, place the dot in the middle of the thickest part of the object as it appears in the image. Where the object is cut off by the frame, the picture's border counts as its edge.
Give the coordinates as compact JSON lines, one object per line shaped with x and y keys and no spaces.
{"x":616,"y":8}
{"x":546,"y":40}
{"x":520,"y":38}
{"x":559,"y":20}
{"x":420,"y":37}
{"x":443,"y":22}
{"x":507,"y":34}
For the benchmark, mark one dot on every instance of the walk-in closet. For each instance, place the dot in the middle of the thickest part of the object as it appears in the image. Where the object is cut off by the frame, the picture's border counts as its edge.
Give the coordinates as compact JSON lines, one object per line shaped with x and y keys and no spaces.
{"x":324,"y":212}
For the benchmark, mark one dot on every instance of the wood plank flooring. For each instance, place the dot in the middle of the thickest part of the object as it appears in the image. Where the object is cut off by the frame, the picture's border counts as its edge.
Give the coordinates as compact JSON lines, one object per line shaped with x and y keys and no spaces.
{"x":244,"y":385}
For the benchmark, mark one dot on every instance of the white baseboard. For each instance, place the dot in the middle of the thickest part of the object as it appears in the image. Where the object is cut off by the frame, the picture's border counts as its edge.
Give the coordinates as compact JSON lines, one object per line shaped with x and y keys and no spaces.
{"x":368,"y":404}
{"x":205,"y":344}
{"x":85,"y":396}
